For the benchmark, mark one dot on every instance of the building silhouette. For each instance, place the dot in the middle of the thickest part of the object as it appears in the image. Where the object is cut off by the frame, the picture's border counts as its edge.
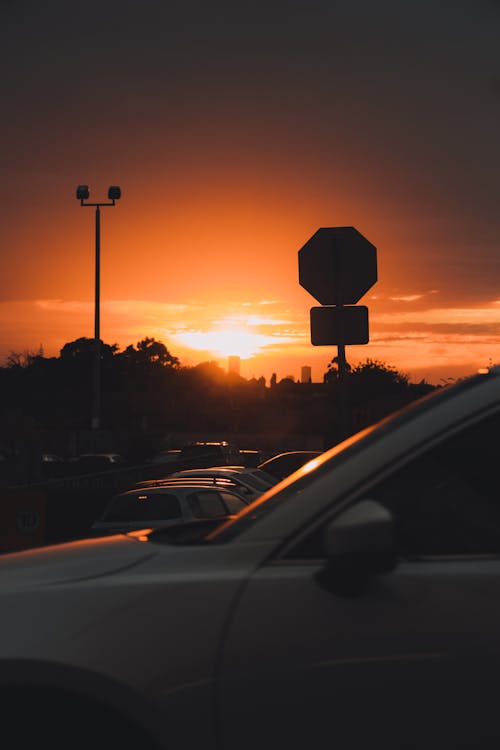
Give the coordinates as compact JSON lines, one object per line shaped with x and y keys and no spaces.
{"x":305,"y":374}
{"x":233,"y":364}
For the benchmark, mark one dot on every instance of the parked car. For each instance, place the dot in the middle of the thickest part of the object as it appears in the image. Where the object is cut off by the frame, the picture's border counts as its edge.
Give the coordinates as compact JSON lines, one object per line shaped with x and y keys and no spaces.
{"x":52,"y":465}
{"x":99,"y":461}
{"x":354,"y":602}
{"x":283,"y":464}
{"x":220,"y":482}
{"x":208,"y":453}
{"x":254,"y":480}
{"x":250,"y":457}
{"x":246,"y":483}
{"x":51,"y":458}
{"x":165,"y":456}
{"x":168,"y":504}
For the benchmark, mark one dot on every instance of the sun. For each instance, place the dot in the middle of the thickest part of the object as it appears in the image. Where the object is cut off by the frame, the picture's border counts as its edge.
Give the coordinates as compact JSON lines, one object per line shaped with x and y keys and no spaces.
{"x":226,"y":342}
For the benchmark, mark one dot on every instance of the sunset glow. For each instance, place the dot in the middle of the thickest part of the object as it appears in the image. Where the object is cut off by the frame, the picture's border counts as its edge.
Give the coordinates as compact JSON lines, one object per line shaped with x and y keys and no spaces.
{"x":224,"y":343}
{"x":239,"y":336}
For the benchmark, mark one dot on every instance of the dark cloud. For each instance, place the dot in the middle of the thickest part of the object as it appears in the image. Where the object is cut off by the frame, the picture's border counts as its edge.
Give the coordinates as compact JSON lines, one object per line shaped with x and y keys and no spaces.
{"x":487,"y":332}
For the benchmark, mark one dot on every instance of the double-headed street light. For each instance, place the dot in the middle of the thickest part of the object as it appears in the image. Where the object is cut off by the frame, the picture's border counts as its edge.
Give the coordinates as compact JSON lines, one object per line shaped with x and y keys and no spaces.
{"x":82,"y":194}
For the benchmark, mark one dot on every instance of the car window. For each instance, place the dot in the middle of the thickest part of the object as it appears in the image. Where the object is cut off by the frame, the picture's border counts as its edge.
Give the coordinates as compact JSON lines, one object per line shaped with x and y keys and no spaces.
{"x":233,"y":503}
{"x":447,"y":501}
{"x":253,"y":482}
{"x":207,"y":504}
{"x":266,"y":479}
{"x":143,"y":507}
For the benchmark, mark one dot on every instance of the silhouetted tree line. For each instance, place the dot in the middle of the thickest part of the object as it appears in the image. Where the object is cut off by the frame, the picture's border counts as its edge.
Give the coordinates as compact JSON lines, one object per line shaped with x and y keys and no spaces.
{"x":145,"y":387}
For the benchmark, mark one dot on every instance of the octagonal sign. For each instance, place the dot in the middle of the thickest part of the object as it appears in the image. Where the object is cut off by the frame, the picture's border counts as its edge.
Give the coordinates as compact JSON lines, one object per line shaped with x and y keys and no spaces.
{"x":337,"y":265}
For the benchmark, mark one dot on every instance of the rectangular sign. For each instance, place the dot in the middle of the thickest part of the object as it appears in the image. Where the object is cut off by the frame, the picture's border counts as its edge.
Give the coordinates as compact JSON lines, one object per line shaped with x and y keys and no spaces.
{"x":22,"y":519}
{"x":332,"y":326}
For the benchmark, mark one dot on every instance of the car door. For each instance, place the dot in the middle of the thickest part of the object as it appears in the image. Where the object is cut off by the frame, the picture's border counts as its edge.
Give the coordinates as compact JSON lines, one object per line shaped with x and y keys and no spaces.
{"x":412,"y":661}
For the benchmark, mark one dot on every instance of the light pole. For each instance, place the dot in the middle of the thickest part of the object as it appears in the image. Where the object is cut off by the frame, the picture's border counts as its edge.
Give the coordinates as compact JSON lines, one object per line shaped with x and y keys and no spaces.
{"x":82,"y":194}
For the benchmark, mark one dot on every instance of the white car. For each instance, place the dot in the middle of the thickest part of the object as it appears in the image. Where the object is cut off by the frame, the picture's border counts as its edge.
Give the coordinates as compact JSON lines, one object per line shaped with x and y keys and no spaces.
{"x":97,"y":461}
{"x":226,"y":482}
{"x":355,"y":603}
{"x":168,"y":504}
{"x":246,"y":482}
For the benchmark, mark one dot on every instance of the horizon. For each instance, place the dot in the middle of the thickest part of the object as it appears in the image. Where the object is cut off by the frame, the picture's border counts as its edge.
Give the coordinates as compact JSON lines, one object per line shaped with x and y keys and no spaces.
{"x":291,"y":367}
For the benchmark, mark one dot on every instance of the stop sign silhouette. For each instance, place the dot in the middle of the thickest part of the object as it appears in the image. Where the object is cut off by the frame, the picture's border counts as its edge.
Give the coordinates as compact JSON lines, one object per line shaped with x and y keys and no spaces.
{"x":337,"y":265}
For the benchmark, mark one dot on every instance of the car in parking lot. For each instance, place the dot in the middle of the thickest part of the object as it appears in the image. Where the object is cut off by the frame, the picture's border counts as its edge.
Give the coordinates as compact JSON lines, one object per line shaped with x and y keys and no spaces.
{"x":51,"y":458}
{"x":211,"y":481}
{"x":355,"y":602}
{"x":250,"y":457}
{"x":166,"y":456}
{"x":247,"y":483}
{"x":98,"y":461}
{"x":283,"y":464}
{"x":166,"y":504}
{"x":208,"y":453}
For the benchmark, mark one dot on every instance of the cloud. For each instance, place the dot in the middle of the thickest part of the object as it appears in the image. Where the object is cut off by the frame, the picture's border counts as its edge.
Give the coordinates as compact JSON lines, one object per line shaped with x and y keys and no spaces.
{"x":64,"y":306}
{"x":436,"y":316}
{"x":432,"y":337}
{"x":115,"y":307}
{"x":407,"y":298}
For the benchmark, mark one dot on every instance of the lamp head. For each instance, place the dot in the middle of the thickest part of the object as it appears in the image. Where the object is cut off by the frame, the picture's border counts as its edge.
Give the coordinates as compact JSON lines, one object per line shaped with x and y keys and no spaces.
{"x":82,"y":192}
{"x":114,"y":193}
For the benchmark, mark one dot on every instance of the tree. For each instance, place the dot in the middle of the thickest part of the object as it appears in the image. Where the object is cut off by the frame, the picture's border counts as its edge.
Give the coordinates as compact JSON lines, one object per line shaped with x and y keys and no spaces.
{"x":82,"y":351}
{"x":332,"y":372}
{"x":25,"y":358}
{"x":378,"y":377}
{"x":148,"y":354}
{"x":209,"y":373}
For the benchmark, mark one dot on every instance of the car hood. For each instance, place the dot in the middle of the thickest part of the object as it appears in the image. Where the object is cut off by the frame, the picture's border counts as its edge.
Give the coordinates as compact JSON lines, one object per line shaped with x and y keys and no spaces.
{"x":83,"y":559}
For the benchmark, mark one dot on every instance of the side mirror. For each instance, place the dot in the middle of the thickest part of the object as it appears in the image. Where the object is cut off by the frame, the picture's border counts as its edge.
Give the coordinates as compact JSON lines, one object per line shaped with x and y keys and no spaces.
{"x":359,"y":545}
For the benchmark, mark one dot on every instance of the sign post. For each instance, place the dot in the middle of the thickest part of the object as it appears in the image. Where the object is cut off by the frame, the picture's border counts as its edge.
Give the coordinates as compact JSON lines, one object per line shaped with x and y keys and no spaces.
{"x":337,"y":266}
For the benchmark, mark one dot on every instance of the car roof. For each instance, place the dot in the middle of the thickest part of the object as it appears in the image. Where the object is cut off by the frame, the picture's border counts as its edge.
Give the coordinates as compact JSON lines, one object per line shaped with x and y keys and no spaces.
{"x":220,"y":483}
{"x":181,"y":487}
{"x":209,"y":471}
{"x":249,"y":479}
{"x":222,"y":480}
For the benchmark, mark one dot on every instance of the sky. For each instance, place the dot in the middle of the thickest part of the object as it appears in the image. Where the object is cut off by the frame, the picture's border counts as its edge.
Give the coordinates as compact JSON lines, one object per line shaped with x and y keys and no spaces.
{"x":235,"y":130}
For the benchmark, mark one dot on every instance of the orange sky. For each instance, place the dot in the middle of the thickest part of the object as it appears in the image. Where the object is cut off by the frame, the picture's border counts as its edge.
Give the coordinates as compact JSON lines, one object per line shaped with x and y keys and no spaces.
{"x":235,"y":132}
